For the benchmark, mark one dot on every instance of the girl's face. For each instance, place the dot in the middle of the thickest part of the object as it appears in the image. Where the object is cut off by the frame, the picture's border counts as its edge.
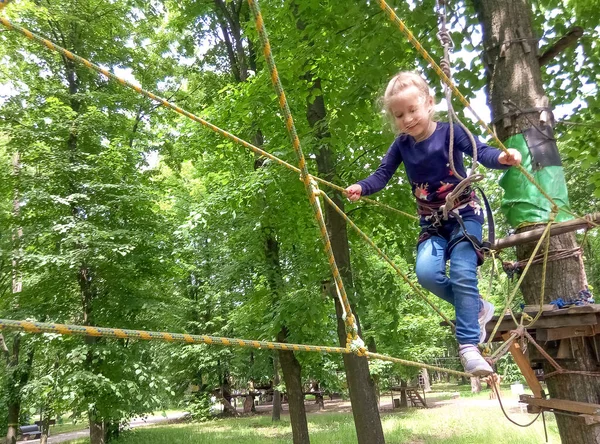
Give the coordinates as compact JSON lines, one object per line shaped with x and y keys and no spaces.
{"x":412,"y":112}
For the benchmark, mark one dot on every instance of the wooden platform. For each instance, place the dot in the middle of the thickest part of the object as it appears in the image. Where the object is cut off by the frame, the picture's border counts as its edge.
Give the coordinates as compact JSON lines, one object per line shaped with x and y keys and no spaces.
{"x":556,"y":329}
{"x":554,"y":324}
{"x":589,"y":413}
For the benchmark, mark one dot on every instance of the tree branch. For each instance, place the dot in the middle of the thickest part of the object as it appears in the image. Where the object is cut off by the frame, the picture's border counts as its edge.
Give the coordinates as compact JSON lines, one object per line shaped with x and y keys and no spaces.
{"x":560,"y":45}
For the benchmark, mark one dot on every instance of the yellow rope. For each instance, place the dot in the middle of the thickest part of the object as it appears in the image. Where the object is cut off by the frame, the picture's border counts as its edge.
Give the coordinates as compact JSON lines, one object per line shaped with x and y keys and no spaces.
{"x":121,"y":333}
{"x":305,"y":176}
{"x":417,"y":45}
{"x":163,"y":102}
{"x":80,"y":330}
{"x":543,"y":285}
{"x":514,"y":292}
{"x":386,"y":258}
{"x":409,"y":363}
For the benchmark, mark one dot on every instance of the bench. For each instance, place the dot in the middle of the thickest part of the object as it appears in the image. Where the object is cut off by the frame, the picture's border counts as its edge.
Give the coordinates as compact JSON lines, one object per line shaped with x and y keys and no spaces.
{"x":34,"y":431}
{"x":31,"y":431}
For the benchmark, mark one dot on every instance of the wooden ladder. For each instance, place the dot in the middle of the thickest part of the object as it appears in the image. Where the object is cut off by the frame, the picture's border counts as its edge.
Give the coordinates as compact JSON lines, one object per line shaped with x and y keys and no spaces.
{"x":415,"y":398}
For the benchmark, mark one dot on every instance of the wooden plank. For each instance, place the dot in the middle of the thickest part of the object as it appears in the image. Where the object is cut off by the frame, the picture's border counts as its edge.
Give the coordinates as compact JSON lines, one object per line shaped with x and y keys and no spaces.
{"x":554,"y":334}
{"x":592,"y":308}
{"x":535,"y":308}
{"x":421,"y":400}
{"x":553,"y":310}
{"x":533,"y":235}
{"x":574,"y":320}
{"x":578,"y":309}
{"x":564,"y":405}
{"x":526,"y":370}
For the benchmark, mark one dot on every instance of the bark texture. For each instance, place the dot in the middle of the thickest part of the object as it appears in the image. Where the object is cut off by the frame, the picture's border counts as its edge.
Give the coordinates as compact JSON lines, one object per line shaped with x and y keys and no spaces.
{"x":363,"y":393}
{"x":515,"y":83}
{"x":292,"y":372}
{"x":230,"y":16}
{"x":276,"y":412}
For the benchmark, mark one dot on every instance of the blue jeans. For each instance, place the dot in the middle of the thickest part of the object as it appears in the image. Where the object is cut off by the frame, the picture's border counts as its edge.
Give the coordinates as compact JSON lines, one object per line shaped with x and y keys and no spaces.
{"x":460,"y":288}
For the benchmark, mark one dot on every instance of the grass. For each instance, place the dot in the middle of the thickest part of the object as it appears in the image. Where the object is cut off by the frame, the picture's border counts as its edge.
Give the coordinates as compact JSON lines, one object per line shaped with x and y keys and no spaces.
{"x":466,"y":422}
{"x":67,"y":427}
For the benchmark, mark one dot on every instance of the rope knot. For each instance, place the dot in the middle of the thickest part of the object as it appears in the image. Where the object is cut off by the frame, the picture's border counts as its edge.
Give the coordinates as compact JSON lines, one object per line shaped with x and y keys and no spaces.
{"x":445,"y":39}
{"x":357,"y":346}
{"x":519,"y":331}
{"x":445,"y":66}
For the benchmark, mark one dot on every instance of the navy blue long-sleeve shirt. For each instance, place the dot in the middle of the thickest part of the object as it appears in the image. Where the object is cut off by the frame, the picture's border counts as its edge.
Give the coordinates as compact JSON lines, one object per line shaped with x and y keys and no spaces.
{"x":428,"y":167}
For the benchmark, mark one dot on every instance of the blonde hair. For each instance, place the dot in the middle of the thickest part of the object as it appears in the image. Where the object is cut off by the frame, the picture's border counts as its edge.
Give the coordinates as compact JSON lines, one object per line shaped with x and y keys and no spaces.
{"x":398,"y":83}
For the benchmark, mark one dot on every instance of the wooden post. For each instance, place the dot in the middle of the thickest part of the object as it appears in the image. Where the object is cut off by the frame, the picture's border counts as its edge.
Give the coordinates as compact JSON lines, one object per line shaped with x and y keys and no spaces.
{"x":523,"y":363}
{"x":534,"y":235}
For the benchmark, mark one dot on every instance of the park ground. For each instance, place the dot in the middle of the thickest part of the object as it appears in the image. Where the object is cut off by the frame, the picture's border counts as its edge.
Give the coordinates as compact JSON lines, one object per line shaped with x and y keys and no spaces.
{"x":455,"y":416}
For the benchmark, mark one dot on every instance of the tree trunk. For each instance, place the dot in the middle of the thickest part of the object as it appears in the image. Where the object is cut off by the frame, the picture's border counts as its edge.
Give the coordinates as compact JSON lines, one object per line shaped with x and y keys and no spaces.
{"x":363,"y":395}
{"x":226,"y":395}
{"x":97,"y":435}
{"x":361,"y":387}
{"x":248,"y":404}
{"x":45,"y":428}
{"x":14,"y":408}
{"x":403,"y":397}
{"x":229,"y":16}
{"x":97,"y":431}
{"x":514,"y":74}
{"x":426,"y":381}
{"x":293,"y":383}
{"x":17,"y":283}
{"x":360,"y":384}
{"x":276,"y":412}
{"x":18,"y":375}
{"x":290,"y":366}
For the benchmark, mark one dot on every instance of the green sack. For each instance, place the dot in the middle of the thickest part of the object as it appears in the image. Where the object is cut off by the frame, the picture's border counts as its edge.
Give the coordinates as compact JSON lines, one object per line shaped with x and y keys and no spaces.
{"x":522,"y":202}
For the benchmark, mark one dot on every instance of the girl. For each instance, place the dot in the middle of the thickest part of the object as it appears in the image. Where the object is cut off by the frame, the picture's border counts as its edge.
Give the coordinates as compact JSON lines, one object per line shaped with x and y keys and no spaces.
{"x":423,"y":147}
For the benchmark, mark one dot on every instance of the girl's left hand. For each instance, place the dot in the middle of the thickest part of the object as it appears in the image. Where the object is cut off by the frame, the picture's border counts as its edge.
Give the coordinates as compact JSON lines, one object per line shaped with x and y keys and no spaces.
{"x":510,"y":157}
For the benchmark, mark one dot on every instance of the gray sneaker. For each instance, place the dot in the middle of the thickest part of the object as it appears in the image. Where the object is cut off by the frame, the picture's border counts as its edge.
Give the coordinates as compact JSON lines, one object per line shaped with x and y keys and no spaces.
{"x":473,"y":362}
{"x":485,"y":315}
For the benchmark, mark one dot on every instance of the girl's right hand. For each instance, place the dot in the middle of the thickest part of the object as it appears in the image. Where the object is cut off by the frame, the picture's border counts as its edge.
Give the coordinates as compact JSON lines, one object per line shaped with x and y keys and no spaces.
{"x":353,"y":192}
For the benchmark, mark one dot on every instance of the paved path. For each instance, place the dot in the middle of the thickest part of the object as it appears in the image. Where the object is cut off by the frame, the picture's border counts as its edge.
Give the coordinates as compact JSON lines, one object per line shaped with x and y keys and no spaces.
{"x":137,"y":422}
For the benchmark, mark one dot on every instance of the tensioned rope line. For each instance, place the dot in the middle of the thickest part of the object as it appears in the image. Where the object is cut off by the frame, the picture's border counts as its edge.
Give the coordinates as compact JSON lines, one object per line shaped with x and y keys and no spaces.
{"x":120,"y":333}
{"x":386,"y":258}
{"x":514,"y":292}
{"x":351,"y":327}
{"x":446,"y":40}
{"x":445,"y":76}
{"x":74,"y":57}
{"x":417,"y":45}
{"x":543,"y":283}
{"x":224,"y":341}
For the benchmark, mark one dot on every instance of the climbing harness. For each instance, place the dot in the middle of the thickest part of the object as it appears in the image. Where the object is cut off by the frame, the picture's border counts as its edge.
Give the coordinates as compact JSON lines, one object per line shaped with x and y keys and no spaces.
{"x":438,"y":215}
